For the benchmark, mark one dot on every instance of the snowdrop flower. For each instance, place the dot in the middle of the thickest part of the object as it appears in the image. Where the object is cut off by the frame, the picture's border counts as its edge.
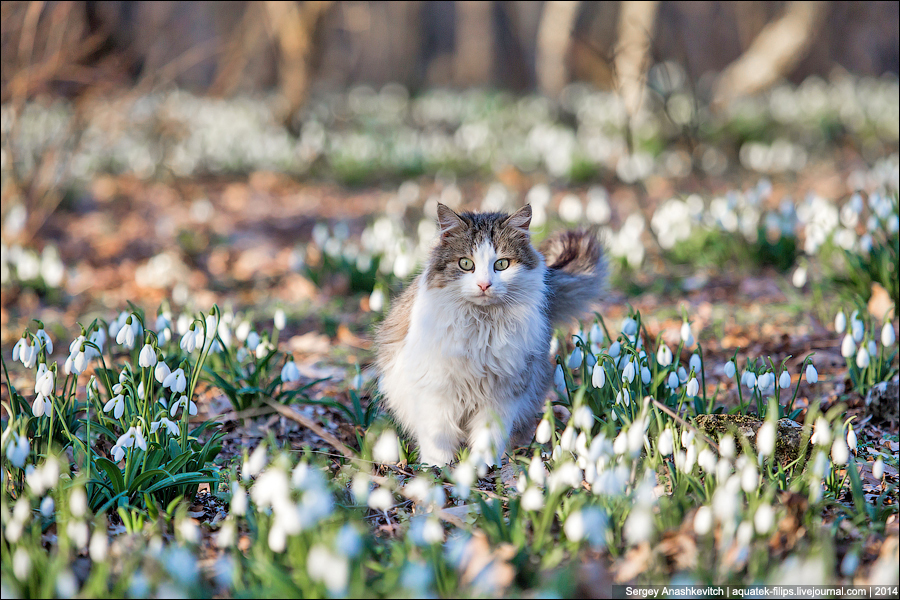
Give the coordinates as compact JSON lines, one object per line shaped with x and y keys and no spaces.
{"x":851,"y":440}
{"x":764,"y":518}
{"x":44,"y":339}
{"x":176,"y":381}
{"x":693,"y":387}
{"x":171,"y":426}
{"x":117,"y":405}
{"x":77,"y":361}
{"x":132,"y":437}
{"x":765,"y":439}
{"x":45,"y":382}
{"x":263,"y":349}
{"x":888,"y":337}
{"x":857,"y":330}
{"x":583,"y":418}
{"x":821,"y":433}
{"x":190,"y":339}
{"x":784,"y":380}
{"x":749,"y":379}
{"x":41,"y":406}
{"x":639,"y":524}
{"x":290,"y":372}
{"x":127,"y":335}
{"x":727,"y":446}
{"x":707,"y":460}
{"x":18,"y":450}
{"x":628,"y":372}
{"x":665,"y":443}
{"x":22,"y":348}
{"x":730,"y":369}
{"x":690,"y":458}
{"x":840,"y":322}
{"x":596,"y":334}
{"x":567,"y":440}
{"x":328,"y":568}
{"x":862,"y":358}
{"x":147,"y":357}
{"x":664,"y":356}
{"x":686,"y":335}
{"x":872,"y":347}
{"x":672,"y":381}
{"x":575,"y":358}
{"x":183,"y":402}
{"x":386,"y":450}
{"x":615,"y":349}
{"x":749,"y":477}
{"x":623,"y":397}
{"x":162,"y":371}
{"x":629,"y":326}
{"x":380,"y":499}
{"x":533,"y":499}
{"x":238,"y":499}
{"x":878,"y":469}
{"x":695,"y":363}
{"x":840,"y":453}
{"x":682,"y":375}
{"x":99,"y":546}
{"x":598,"y":377}
{"x":645,"y":375}
{"x":559,"y":380}
{"x":848,"y":346}
{"x":280,"y":319}
{"x":78,"y":502}
{"x":812,"y":376}
{"x":542,"y":435}
{"x":703,"y":520}
{"x":255,"y":463}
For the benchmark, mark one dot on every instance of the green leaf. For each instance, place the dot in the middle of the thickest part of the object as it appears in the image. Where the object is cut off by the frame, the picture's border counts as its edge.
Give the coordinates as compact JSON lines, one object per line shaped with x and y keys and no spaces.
{"x":112,"y":472}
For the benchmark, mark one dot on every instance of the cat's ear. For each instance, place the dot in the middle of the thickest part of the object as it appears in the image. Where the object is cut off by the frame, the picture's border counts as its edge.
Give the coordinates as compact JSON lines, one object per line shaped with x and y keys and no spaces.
{"x":520,"y":219}
{"x":448,"y":220}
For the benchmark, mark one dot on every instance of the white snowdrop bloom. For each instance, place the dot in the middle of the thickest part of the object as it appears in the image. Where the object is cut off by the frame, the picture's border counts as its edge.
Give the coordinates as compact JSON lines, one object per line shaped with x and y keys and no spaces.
{"x":693,"y":387}
{"x":888,"y":337}
{"x":628,"y":372}
{"x":598,"y":377}
{"x":263,"y":349}
{"x":542,"y":435}
{"x":536,"y":471}
{"x":77,"y":361}
{"x":872,"y":347}
{"x":695,"y":363}
{"x":707,"y":460}
{"x":252,"y":341}
{"x":129,"y":333}
{"x":22,"y":346}
{"x":749,"y":379}
{"x":766,"y":381}
{"x":821,"y":432}
{"x":687,"y":335}
{"x":812,"y":376}
{"x":41,"y":406}
{"x":380,"y":499}
{"x":764,"y":518}
{"x":280,"y":319}
{"x":161,"y":371}
{"x":840,"y":322}
{"x":639,"y":525}
{"x":840,"y":453}
{"x":575,"y":358}
{"x":170,"y":426}
{"x":749,"y":477}
{"x":730,"y":369}
{"x":464,"y":476}
{"x":851,"y":440}
{"x":682,"y":375}
{"x":703,"y":520}
{"x":533,"y":499}
{"x":212,"y":327}
{"x":45,"y":382}
{"x":596,"y":334}
{"x":798,"y":279}
{"x":574,"y":527}
{"x":21,"y":564}
{"x":672,"y":380}
{"x":183,"y":402}
{"x":620,"y":444}
{"x":239,"y":501}
{"x":857,"y":330}
{"x":623,"y":397}
{"x":117,"y":405}
{"x":191,"y":338}
{"x":583,"y":418}
{"x":328,"y":568}
{"x":99,"y":546}
{"x":615,"y":349}
{"x":878,"y":469}
{"x":387,"y":449}
{"x":727,"y":446}
{"x":176,"y":381}
{"x":687,"y":437}
{"x":47,"y":507}
{"x":664,"y":355}
{"x":129,"y":439}
{"x":784,"y":380}
{"x":147,"y":357}
{"x":290,"y":372}
{"x":645,"y":375}
{"x":376,"y":300}
{"x":567,"y":440}
{"x":629,"y":326}
{"x":765,"y":439}
{"x":862,"y":358}
{"x":78,"y":502}
{"x":255,"y":463}
{"x":690,"y":459}
{"x":665,"y":444}
{"x":559,"y":380}
{"x":188,"y":531}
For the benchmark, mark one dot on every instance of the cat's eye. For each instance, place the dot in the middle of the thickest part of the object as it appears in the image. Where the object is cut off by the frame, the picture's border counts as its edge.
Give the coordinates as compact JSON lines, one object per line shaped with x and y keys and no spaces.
{"x":501,"y":264}
{"x":466,"y":264}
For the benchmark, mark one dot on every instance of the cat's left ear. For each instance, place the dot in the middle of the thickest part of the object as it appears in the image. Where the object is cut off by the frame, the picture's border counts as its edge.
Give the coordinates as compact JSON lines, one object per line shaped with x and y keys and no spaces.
{"x":521,"y":219}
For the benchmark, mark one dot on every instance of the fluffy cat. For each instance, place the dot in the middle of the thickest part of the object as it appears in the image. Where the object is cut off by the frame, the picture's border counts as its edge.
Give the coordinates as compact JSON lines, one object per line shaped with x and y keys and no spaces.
{"x":466,"y":346}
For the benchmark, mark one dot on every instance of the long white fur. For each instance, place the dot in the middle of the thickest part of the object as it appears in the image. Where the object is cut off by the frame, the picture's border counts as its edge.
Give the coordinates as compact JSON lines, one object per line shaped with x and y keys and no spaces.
{"x":471,"y":359}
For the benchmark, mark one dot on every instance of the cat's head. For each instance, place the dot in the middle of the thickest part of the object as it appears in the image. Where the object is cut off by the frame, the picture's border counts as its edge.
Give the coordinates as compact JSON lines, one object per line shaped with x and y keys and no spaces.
{"x":487,"y":258}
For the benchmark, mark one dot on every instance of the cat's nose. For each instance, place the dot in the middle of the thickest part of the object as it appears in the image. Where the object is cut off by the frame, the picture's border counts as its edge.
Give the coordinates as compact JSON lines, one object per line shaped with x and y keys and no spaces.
{"x":484,"y":286}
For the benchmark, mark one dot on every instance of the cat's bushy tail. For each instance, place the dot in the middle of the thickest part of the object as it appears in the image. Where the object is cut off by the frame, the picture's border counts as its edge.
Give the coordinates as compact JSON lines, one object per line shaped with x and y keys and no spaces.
{"x":576,"y":274}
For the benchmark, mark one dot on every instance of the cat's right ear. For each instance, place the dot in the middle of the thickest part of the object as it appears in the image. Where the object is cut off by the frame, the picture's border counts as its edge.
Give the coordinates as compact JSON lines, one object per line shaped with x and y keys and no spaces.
{"x":448,"y":220}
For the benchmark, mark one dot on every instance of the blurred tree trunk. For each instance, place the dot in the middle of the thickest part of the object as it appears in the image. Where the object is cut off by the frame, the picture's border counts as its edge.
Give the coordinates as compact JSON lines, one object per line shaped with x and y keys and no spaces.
{"x":778,"y":48}
{"x":474,"y":54}
{"x":294,"y":28}
{"x":637,"y":22}
{"x":554,"y":35}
